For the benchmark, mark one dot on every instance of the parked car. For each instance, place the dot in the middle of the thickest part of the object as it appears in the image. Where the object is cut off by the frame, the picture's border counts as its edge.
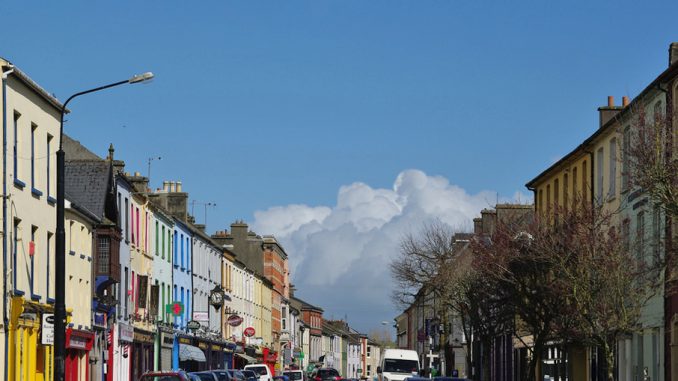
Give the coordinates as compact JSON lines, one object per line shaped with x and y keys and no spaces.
{"x":325,"y":374}
{"x":205,"y":376}
{"x":223,"y":375}
{"x":281,"y":378}
{"x":261,"y":370}
{"x":295,"y":375}
{"x":165,"y":376}
{"x":249,"y":375}
{"x":237,"y":375}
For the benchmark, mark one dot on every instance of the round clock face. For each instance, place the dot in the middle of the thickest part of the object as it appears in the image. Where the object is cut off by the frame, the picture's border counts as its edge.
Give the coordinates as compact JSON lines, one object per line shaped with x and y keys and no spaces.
{"x":217,"y":298}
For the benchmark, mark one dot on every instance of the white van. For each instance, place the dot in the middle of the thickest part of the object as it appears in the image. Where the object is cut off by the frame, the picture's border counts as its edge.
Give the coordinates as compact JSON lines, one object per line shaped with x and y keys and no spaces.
{"x":260,"y":370}
{"x":398,"y":364}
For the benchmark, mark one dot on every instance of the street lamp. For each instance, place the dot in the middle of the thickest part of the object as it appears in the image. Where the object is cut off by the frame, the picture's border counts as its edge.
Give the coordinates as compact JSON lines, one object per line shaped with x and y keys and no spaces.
{"x":60,"y":260}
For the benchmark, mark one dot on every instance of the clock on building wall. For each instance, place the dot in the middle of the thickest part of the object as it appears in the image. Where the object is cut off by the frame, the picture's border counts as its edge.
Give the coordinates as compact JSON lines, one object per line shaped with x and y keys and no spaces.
{"x":217,"y":297}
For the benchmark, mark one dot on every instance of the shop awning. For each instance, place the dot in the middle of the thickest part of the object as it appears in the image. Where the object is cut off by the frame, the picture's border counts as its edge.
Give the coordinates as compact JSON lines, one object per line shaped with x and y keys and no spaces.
{"x":247,"y":358}
{"x":191,"y":353}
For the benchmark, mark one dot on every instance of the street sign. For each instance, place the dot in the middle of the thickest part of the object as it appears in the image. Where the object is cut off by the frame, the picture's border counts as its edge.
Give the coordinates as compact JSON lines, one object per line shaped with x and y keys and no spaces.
{"x":201,"y":316}
{"x":193,"y":325}
{"x":174,"y":308}
{"x":249,"y":332}
{"x":47,"y":329}
{"x":234,"y":320}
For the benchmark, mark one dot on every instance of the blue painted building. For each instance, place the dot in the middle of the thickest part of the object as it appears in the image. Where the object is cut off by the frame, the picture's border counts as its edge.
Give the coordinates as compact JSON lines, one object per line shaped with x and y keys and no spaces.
{"x":182,"y":283}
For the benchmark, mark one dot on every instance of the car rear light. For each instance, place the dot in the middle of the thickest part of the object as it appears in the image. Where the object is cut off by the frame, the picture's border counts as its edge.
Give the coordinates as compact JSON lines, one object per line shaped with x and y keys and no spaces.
{"x":317,"y":378}
{"x":337,"y":378}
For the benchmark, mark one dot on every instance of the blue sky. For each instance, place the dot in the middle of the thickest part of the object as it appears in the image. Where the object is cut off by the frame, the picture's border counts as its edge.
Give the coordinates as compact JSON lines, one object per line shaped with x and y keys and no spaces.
{"x":268,"y":108}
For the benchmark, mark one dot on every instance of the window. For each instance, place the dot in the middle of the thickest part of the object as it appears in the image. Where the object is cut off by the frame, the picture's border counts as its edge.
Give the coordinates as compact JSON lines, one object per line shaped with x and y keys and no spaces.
{"x":49,"y":162}
{"x":575,"y":191}
{"x":548,"y":199}
{"x":612,"y":186}
{"x":565,"y":191}
{"x":31,"y":253}
{"x":33,"y":129}
{"x":16,"y":145}
{"x":182,"y":252}
{"x":126,"y":294}
{"x":626,"y":232}
{"x":126,"y":219}
{"x":626,"y":167}
{"x":15,"y":248}
{"x":104,"y":254}
{"x":157,"y":237}
{"x":163,"y":242}
{"x":369,"y":367}
{"x":599,"y":177}
{"x":131,"y":210}
{"x":47,"y":246}
{"x":640,"y":234}
{"x":656,"y":233}
{"x":136,"y":221}
{"x":541,"y":200}
{"x":369,"y":351}
{"x":556,"y":192}
{"x":584,"y":182}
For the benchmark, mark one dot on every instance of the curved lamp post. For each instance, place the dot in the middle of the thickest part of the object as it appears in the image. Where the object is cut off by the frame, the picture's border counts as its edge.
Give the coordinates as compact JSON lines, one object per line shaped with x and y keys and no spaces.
{"x":60,"y":260}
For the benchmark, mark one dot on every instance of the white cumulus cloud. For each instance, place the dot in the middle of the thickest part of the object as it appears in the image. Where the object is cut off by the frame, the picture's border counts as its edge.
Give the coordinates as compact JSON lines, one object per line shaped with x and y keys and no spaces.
{"x":339,"y":255}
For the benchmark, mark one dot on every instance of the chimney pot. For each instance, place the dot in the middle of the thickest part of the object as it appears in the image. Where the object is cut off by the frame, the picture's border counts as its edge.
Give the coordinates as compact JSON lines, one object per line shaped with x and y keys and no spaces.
{"x":178,"y":186}
{"x":610,"y":101}
{"x":625,"y":101}
{"x":165,"y":186}
{"x":171,"y":186}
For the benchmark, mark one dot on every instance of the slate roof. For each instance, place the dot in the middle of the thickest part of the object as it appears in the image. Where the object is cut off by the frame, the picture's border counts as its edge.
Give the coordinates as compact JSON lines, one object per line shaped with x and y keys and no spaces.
{"x":87,"y":179}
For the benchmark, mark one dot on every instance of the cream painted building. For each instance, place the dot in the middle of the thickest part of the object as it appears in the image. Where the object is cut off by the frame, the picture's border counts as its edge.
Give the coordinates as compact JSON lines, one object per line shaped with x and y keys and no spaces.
{"x":30,"y":117}
{"x":266,"y":310}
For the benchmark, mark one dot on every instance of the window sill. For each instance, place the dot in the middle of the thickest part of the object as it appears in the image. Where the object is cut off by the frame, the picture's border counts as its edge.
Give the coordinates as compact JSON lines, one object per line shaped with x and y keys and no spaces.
{"x":36,"y":192}
{"x":35,"y":298}
{"x":71,"y":252}
{"x":19,"y":293}
{"x":50,"y":301}
{"x":19,"y":183}
{"x":51,"y":200}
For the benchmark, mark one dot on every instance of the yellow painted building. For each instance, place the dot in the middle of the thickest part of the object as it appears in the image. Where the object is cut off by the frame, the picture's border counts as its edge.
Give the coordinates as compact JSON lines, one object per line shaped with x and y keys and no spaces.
{"x":30,"y":118}
{"x":227,"y":260}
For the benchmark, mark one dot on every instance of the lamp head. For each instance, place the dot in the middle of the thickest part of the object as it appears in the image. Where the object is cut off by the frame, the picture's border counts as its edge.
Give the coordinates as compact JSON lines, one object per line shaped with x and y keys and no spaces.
{"x":145,"y":77}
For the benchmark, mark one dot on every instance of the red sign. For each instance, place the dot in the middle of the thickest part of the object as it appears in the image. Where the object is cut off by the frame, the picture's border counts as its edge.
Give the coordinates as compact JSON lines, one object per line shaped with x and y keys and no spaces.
{"x":234,"y":320}
{"x":249,"y":332}
{"x":31,"y":248}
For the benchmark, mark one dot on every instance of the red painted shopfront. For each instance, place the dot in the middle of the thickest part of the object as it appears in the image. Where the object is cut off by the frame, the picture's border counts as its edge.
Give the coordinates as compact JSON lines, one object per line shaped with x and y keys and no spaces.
{"x":78,"y":345}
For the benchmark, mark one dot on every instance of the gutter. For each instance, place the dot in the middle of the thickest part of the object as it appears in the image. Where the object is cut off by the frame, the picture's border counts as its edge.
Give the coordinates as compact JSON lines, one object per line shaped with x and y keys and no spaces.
{"x":5,"y":321}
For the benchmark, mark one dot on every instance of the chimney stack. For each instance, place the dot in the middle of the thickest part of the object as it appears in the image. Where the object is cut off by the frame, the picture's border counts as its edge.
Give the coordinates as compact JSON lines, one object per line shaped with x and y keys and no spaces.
{"x":625,"y":101}
{"x":608,"y":112}
{"x":165,"y":186}
{"x":673,"y":53}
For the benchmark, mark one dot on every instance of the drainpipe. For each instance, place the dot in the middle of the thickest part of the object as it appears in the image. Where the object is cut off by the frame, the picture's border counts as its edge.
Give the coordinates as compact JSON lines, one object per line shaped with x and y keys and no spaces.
{"x":5,"y":321}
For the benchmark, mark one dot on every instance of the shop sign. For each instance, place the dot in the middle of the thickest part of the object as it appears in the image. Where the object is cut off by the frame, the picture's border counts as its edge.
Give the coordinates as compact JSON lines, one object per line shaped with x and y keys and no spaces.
{"x":201,"y":316}
{"x":47,"y":329}
{"x":167,"y":340}
{"x":193,"y":325}
{"x":99,"y":320}
{"x":203,"y":345}
{"x":141,"y":337}
{"x":249,"y":332}
{"x":77,"y":342}
{"x":216,"y":347}
{"x":126,"y":332}
{"x":234,"y":320}
{"x":184,"y":340}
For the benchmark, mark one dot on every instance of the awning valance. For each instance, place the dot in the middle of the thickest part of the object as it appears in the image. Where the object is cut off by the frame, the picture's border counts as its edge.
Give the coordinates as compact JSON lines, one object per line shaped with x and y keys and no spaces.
{"x":191,"y":353}
{"x":247,"y":358}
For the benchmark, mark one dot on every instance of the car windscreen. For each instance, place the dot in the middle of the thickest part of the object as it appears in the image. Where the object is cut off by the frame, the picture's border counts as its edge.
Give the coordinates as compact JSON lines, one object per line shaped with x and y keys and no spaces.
{"x":205,"y":376}
{"x":293,"y":376}
{"x":328,"y":373}
{"x":259,"y":370}
{"x":222,"y":376}
{"x":248,"y":373}
{"x":401,"y":366}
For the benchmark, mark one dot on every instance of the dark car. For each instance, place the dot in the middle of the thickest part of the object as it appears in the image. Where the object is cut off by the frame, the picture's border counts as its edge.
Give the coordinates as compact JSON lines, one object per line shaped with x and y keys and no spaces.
{"x":205,"y":376}
{"x":249,"y":375}
{"x":223,"y":375}
{"x":295,"y":375}
{"x":325,"y":374}
{"x":237,"y":374}
{"x":165,"y":376}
